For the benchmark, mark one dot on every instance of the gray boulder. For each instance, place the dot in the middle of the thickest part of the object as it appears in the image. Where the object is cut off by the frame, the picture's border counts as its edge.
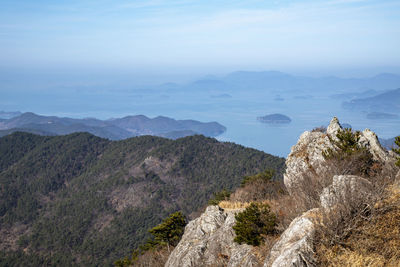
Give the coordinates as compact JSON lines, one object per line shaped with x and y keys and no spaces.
{"x":370,"y":140}
{"x":307,"y":156}
{"x":345,"y":190}
{"x":208,"y":241}
{"x":295,"y":246}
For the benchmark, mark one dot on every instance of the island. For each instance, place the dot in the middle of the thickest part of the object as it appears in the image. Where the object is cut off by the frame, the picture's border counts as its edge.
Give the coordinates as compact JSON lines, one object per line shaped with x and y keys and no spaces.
{"x":275,"y":118}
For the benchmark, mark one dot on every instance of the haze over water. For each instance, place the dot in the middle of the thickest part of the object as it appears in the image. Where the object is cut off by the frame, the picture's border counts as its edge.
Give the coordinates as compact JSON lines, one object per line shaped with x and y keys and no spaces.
{"x":237,"y":109}
{"x":110,"y":58}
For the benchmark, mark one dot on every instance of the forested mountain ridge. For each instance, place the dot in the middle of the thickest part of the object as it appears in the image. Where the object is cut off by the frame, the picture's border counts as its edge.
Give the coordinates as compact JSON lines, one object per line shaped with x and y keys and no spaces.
{"x":83,"y":200}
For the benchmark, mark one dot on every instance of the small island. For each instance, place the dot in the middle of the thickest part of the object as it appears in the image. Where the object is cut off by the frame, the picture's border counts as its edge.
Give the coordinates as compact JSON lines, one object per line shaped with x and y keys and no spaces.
{"x":274,"y":119}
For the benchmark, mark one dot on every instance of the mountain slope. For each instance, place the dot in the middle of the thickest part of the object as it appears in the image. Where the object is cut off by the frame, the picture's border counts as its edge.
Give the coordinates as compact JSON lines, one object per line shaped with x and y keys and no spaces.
{"x":385,"y":102}
{"x":82,"y":200}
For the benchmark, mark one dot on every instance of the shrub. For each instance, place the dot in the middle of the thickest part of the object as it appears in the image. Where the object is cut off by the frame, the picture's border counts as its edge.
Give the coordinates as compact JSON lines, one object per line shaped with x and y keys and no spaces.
{"x":170,"y":231}
{"x":320,"y":129}
{"x":258,"y":190}
{"x":348,"y":153}
{"x":397,"y":150}
{"x":265,"y":176}
{"x":345,"y":145}
{"x":364,"y":236}
{"x":256,"y":220}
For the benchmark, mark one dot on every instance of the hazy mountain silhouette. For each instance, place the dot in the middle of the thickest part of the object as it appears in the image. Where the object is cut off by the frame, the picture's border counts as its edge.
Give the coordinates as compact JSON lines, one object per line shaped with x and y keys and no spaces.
{"x":114,"y":129}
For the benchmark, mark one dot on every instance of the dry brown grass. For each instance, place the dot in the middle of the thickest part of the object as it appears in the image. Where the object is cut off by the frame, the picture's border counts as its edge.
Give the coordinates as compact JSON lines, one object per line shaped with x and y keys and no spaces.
{"x":359,"y":232}
{"x":237,"y":205}
{"x":342,"y":257}
{"x":321,"y":129}
{"x":262,"y":251}
{"x":372,"y":241}
{"x":233,"y":205}
{"x":258,"y":190}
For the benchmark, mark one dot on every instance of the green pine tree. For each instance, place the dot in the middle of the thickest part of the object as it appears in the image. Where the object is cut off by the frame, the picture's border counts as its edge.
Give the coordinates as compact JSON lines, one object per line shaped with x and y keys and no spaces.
{"x":397,"y":150}
{"x":347,"y":148}
{"x":255,"y":221}
{"x":170,"y":231}
{"x":345,"y":145}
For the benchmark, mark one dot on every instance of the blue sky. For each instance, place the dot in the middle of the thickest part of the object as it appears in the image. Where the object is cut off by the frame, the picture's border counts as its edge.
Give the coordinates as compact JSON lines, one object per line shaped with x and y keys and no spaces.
{"x":182,"y":34}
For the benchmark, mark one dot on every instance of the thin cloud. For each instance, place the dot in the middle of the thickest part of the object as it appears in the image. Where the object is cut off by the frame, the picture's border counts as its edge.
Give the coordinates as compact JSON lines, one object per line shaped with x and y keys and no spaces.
{"x":193,"y":32}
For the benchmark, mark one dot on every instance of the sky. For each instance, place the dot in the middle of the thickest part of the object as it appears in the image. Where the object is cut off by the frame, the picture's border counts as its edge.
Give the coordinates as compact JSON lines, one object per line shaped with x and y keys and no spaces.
{"x":204,"y":35}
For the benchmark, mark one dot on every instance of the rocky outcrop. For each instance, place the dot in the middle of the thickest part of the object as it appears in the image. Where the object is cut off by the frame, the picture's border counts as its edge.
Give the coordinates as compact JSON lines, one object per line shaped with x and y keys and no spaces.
{"x":369,"y":139}
{"x":334,"y":127}
{"x":295,"y":246}
{"x":208,"y":241}
{"x":346,"y":189}
{"x":307,"y":155}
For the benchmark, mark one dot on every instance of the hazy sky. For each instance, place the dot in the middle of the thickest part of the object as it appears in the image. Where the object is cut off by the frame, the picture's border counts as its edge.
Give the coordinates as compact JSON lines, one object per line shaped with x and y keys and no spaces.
{"x":213,"y":34}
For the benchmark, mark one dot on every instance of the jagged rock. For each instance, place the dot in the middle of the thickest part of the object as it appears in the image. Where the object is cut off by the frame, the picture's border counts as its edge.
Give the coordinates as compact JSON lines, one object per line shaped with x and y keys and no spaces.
{"x":208,"y":241}
{"x":369,"y":139}
{"x":345,"y":189}
{"x":306,"y":160}
{"x":306,"y":156}
{"x":295,"y":246}
{"x":334,"y":127}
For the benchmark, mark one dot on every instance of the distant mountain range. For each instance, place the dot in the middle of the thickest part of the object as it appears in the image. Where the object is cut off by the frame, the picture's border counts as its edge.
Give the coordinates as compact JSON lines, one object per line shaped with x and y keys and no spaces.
{"x":387,"y":102}
{"x":266,"y":80}
{"x":388,"y":143}
{"x":113,"y":129}
{"x":9,"y":115}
